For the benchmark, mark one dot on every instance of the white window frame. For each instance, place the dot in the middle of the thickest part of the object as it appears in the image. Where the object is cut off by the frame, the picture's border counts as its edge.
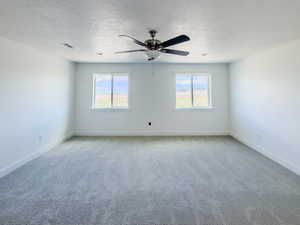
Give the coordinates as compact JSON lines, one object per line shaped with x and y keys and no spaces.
{"x":210,"y":105}
{"x":94,"y":76}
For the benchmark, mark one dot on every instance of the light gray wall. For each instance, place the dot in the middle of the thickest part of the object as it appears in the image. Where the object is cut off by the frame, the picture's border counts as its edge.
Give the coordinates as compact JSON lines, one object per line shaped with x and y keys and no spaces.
{"x":265,"y":103}
{"x":152,"y":98}
{"x":36,"y":102}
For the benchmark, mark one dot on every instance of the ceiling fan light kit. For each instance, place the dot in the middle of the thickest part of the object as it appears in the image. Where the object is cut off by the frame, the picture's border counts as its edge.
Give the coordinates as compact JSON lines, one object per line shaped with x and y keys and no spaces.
{"x":154,"y":47}
{"x":152,"y":54}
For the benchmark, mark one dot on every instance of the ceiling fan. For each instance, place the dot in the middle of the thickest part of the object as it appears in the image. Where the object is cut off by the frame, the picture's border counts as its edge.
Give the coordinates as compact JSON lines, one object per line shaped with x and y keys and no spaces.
{"x":154,"y":47}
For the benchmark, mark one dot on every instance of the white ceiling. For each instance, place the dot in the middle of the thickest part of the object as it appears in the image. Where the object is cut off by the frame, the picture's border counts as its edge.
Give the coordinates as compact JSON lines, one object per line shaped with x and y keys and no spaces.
{"x":225,"y":29}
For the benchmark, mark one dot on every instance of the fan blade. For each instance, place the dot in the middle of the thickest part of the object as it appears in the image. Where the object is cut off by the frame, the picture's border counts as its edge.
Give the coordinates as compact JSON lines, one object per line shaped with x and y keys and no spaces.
{"x":138,"y":50}
{"x":174,"y":41}
{"x":134,"y":40}
{"x":175,"y":52}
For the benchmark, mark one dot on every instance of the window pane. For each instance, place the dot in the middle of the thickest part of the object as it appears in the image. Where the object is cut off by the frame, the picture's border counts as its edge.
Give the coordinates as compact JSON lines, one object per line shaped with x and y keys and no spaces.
{"x":183,"y":91}
{"x":102,"y":91}
{"x":201,"y":91}
{"x":120,"y":91}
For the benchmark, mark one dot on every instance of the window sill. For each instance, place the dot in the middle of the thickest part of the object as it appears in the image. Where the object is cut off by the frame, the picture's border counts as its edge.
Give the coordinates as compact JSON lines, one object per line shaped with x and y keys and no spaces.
{"x":194,"y":108}
{"x":120,"y":109}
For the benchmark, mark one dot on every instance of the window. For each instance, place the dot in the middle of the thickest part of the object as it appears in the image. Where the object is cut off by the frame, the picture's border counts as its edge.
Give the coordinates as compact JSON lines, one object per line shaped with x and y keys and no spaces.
{"x":110,"y":91}
{"x":193,"y":91}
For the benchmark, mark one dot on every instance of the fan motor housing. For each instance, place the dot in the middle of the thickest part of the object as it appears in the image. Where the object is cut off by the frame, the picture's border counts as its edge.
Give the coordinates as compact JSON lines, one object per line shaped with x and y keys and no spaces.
{"x":152,"y":44}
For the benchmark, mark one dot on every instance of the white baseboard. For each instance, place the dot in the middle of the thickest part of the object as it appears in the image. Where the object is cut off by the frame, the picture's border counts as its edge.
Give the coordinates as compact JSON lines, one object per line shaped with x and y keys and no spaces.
{"x":147,"y":133}
{"x":15,"y":165}
{"x":67,"y":136}
{"x":290,"y":166}
{"x":260,"y":149}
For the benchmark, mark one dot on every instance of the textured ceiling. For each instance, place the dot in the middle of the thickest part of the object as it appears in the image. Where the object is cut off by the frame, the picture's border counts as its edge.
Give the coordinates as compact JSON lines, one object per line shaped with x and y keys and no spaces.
{"x":226,"y":30}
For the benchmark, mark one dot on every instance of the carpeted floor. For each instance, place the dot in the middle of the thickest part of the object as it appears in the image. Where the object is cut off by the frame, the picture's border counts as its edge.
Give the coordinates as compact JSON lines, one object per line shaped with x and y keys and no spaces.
{"x":151,"y":180}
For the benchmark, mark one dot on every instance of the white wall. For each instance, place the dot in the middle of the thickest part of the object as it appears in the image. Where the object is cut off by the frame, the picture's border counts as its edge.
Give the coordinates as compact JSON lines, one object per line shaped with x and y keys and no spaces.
{"x":265,"y":103}
{"x":36,"y":103}
{"x":152,"y":98}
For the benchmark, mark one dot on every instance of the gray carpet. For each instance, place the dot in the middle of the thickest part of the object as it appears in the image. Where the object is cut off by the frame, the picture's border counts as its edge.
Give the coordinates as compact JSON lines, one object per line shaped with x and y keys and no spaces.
{"x":151,"y":180}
